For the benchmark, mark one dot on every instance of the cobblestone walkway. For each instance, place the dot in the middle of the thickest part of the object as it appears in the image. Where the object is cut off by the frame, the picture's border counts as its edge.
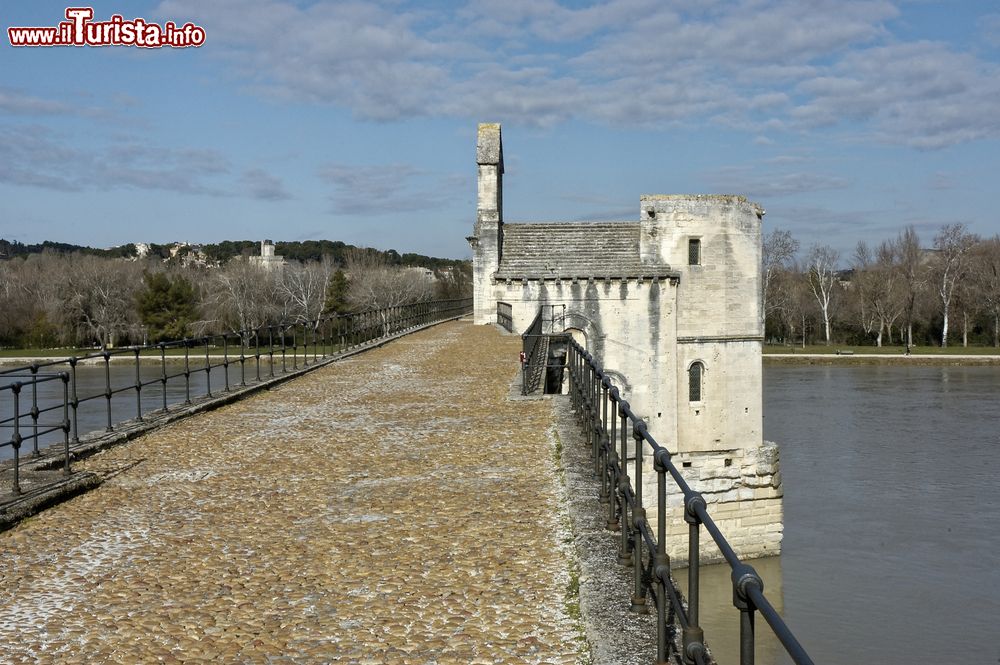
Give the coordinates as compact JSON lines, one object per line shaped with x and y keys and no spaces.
{"x":391,"y":508}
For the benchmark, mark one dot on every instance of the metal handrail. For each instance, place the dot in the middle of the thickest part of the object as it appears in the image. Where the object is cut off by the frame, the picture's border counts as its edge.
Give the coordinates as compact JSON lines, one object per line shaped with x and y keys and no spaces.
{"x":533,"y":357}
{"x":275,"y":346}
{"x":606,"y":418}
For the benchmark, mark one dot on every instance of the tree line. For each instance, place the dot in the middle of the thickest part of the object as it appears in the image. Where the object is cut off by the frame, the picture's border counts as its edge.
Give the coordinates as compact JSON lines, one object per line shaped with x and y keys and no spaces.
{"x":56,"y":298}
{"x":894,"y":292}
{"x":221,"y":252}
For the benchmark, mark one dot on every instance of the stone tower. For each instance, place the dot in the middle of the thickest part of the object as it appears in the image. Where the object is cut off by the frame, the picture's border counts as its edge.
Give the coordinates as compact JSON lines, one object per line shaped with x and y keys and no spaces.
{"x":487,"y":239}
{"x":670,"y":307}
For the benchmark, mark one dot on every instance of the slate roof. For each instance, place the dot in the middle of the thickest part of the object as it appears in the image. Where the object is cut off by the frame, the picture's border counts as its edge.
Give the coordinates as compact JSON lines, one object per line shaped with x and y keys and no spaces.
{"x":574,"y":249}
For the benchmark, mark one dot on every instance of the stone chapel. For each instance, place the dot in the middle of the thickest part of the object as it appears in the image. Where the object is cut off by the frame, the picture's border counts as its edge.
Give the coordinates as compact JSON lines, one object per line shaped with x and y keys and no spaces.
{"x":670,"y":305}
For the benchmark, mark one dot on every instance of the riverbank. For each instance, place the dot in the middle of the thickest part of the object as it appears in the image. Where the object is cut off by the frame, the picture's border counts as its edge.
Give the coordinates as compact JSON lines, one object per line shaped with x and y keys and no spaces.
{"x":194,"y":359}
{"x":880,"y":359}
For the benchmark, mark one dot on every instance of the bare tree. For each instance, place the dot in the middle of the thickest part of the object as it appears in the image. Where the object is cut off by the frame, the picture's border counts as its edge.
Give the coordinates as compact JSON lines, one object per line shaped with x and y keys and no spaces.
{"x":304,"y":287}
{"x":246,"y":297}
{"x":876,"y":291}
{"x":953,"y":244}
{"x":100,"y":295}
{"x":778,"y":251}
{"x":913,"y":270}
{"x":376,"y":284}
{"x":821,"y":265}
{"x":861,"y":294}
{"x":986,"y":273}
{"x":799,"y":311}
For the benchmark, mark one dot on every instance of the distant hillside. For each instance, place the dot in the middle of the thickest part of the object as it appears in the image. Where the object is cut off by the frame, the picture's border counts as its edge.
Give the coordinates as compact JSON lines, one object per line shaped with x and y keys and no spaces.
{"x":223,"y":251}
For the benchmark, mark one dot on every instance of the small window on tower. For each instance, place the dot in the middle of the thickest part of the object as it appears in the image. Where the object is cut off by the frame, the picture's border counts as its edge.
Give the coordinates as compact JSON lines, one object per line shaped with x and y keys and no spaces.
{"x":694,"y":381}
{"x":694,"y":252}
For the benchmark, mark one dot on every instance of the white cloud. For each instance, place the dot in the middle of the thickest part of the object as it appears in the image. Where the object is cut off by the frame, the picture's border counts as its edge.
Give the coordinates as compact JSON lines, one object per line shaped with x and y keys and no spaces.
{"x":759,"y":184}
{"x":387,"y":188}
{"x":18,"y":102}
{"x":264,"y":186}
{"x":756,"y":65}
{"x":38,"y":156}
{"x":919,"y":94}
{"x":989,"y":29}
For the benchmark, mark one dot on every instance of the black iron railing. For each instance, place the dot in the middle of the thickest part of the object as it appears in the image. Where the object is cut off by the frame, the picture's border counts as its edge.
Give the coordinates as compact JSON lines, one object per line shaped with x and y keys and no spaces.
{"x":505,"y":316}
{"x":534,"y":352}
{"x":609,"y":421}
{"x":240,"y":357}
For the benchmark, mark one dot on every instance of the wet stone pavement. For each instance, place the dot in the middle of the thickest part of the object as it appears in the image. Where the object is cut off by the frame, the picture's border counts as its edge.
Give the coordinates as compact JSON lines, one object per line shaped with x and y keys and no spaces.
{"x":391,"y":508}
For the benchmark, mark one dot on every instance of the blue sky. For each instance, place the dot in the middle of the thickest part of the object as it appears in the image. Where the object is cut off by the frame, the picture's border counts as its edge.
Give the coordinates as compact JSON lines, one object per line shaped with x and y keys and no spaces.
{"x":356,"y":121}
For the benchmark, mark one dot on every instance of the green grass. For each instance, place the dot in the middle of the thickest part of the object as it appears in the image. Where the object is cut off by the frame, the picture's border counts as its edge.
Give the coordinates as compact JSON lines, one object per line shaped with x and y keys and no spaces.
{"x":893,"y":350}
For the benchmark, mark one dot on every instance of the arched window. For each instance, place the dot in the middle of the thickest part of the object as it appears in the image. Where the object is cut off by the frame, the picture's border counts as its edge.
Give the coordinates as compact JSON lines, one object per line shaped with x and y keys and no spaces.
{"x":696,"y":374}
{"x":694,"y":252}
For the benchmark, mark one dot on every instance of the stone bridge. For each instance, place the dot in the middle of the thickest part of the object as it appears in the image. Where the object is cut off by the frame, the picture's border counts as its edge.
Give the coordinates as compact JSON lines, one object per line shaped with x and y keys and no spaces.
{"x":395,"y":507}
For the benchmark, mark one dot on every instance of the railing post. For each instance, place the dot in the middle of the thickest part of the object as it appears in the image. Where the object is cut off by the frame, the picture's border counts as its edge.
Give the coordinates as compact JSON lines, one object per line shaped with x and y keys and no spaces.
{"x":65,"y":427}
{"x":107,"y":386}
{"x":75,"y":403}
{"x":694,"y":636}
{"x":187,"y":371}
{"x":163,"y":373}
{"x":595,"y":411}
{"x":256,"y":340}
{"x":661,"y":562}
{"x":208,"y":368}
{"x":602,"y":444}
{"x":625,"y":549}
{"x":15,"y":440}
{"x":613,"y":469}
{"x":524,"y":373}
{"x":34,"y":410}
{"x":225,"y":359}
{"x":138,"y":387}
{"x":270,"y":349}
{"x":743,"y":577}
{"x":284,"y":349}
{"x":638,"y":517}
{"x":243,"y":359}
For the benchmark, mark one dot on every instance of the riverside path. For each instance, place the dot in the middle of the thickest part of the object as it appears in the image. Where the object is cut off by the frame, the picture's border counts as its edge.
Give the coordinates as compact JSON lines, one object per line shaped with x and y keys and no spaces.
{"x":394,"y":507}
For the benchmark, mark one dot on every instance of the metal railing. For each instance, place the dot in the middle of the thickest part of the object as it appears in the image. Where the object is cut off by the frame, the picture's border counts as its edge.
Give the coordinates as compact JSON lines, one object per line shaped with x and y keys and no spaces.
{"x":505,"y":316}
{"x":237,"y":357}
{"x":608,"y":421}
{"x":534,"y":349}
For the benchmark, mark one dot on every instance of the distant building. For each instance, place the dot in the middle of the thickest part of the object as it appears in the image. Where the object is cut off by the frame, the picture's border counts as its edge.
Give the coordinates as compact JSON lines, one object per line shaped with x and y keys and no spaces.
{"x":268,"y":259}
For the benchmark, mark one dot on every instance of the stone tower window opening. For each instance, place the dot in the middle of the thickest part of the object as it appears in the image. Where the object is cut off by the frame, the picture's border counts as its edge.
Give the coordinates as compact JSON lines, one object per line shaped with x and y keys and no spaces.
{"x":696,"y":373}
{"x":694,"y":251}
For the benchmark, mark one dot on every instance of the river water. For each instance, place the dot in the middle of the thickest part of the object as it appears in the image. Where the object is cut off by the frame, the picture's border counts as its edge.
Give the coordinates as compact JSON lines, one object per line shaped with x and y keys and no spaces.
{"x":92,"y":414}
{"x":892,"y":517}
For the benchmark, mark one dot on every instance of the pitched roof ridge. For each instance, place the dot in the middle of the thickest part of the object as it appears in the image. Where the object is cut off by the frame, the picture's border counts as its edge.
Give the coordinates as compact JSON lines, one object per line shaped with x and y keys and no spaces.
{"x":608,"y":222}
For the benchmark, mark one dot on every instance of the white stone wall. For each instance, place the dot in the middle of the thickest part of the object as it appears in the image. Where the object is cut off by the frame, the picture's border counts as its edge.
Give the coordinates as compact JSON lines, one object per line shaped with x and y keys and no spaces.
{"x":720,"y":297}
{"x":629,"y":327}
{"x":729,"y":415}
